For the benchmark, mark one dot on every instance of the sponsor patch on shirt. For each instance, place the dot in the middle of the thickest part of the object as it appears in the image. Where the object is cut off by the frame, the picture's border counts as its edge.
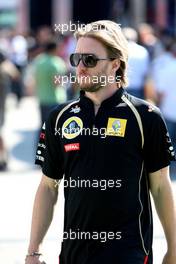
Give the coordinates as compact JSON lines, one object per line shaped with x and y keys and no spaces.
{"x":72,"y":147}
{"x":72,"y":127}
{"x":116,"y":127}
{"x":42,"y":135}
{"x":170,"y":147}
{"x":151,"y":108}
{"x":39,"y":159}
{"x":75,"y":109}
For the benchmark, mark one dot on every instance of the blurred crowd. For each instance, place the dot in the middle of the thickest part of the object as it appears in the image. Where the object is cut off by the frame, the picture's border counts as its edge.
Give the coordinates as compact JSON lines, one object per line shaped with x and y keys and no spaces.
{"x":29,"y":63}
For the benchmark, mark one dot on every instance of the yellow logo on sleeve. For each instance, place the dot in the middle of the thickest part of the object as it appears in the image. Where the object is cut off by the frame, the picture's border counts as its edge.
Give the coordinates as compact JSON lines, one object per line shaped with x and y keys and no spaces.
{"x":116,"y":127}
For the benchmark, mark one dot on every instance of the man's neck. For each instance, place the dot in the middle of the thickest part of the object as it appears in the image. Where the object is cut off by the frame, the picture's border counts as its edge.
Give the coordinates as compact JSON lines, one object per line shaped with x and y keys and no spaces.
{"x":98,"y":97}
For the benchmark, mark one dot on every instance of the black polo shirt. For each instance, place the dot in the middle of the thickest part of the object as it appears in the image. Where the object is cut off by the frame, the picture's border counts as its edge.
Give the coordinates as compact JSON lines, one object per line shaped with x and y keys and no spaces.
{"x":105,"y":168}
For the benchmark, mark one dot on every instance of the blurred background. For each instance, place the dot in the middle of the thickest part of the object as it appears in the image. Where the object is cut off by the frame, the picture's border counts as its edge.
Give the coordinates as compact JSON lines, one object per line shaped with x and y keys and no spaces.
{"x":32,"y":51}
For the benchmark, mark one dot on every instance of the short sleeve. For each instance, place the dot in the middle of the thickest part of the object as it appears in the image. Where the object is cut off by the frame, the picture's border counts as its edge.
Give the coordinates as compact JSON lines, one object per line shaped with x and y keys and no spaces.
{"x":158,"y":149}
{"x":49,"y":154}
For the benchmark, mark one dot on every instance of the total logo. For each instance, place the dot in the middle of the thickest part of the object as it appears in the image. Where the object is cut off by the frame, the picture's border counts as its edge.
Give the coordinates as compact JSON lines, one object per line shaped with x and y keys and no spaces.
{"x":72,"y":127}
{"x":72,"y":147}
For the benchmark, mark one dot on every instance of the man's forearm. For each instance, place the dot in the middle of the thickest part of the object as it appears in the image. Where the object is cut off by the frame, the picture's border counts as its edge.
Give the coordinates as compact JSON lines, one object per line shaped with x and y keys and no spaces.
{"x":166,"y":209}
{"x":43,"y":209}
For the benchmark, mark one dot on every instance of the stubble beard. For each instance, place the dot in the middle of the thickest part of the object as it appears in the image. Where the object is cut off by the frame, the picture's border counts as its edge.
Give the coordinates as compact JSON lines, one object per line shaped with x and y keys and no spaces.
{"x":92,"y":87}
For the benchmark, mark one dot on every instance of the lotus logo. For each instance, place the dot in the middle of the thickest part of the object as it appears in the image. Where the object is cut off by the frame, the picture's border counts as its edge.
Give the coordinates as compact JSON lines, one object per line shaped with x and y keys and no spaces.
{"x":72,"y":127}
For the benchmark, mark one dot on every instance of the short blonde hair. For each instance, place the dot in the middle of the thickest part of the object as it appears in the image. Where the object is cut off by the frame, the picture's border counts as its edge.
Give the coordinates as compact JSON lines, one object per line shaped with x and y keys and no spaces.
{"x":110,"y":35}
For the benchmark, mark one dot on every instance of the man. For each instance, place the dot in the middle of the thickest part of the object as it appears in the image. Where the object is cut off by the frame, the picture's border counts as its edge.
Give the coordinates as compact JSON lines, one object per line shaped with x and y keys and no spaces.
{"x":164,"y":80}
{"x":138,"y":64}
{"x":45,"y":67}
{"x":3,"y":92}
{"x":107,"y":176}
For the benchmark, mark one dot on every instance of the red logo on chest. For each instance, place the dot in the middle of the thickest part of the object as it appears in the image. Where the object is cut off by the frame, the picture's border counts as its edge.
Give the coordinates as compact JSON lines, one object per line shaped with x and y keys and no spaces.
{"x":72,"y":147}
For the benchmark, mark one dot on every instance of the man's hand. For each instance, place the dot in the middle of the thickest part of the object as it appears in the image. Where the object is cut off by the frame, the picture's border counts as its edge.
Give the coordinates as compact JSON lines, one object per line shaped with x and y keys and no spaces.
{"x":162,"y":192}
{"x":43,"y":210}
{"x":169,"y":258}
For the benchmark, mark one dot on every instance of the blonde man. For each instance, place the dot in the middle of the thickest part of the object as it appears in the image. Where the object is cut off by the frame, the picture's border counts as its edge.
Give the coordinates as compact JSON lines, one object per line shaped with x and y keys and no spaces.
{"x":113,"y":149}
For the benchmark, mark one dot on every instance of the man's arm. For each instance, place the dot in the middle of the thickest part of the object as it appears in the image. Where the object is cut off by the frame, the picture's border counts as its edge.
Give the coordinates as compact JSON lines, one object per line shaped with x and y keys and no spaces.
{"x":161,"y":189}
{"x":45,"y":200}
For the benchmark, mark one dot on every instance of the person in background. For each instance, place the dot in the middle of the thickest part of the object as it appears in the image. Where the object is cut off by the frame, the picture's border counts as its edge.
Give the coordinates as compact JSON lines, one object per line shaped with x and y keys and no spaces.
{"x":46,"y":66}
{"x":148,"y":39}
{"x":3,"y":92}
{"x":138,"y":64}
{"x":164,"y":77}
{"x":8,"y":75}
{"x":17,"y":54}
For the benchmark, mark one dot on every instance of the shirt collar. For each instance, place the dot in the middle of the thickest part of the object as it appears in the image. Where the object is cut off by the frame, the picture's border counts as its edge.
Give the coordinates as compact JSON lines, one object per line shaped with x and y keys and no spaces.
{"x":113,"y":100}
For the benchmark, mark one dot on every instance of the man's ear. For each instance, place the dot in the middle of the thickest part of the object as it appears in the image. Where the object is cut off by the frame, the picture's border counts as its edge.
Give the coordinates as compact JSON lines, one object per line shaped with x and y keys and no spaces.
{"x":115,"y":64}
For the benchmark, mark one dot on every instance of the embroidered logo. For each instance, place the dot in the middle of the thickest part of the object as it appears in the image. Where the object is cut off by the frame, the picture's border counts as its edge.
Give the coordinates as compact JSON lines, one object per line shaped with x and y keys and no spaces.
{"x":72,"y":147}
{"x":75,"y":109}
{"x":72,"y":127}
{"x":116,"y":127}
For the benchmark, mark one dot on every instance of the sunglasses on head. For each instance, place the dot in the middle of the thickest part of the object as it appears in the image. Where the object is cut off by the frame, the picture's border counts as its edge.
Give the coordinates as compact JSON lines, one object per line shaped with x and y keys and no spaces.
{"x":89,"y":60}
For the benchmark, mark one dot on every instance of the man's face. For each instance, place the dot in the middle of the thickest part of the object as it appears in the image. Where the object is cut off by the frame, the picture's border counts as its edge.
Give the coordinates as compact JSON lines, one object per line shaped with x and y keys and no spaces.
{"x":89,"y":79}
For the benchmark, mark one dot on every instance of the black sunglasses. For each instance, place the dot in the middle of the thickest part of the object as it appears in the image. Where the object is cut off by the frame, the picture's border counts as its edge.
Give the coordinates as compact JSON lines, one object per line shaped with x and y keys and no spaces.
{"x":89,"y":60}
